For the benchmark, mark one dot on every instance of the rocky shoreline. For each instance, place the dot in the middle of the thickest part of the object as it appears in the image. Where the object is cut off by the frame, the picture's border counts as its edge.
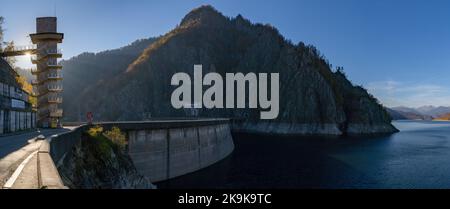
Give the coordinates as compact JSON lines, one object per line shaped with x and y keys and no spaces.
{"x":331,"y":129}
{"x":287,"y":128}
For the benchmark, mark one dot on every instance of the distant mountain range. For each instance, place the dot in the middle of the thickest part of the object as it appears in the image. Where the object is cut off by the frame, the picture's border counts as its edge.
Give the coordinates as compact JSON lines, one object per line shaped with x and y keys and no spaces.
{"x":427,"y":112}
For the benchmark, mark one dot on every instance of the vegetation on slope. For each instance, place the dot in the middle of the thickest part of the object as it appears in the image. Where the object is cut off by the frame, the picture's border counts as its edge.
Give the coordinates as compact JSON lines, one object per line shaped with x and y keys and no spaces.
{"x":27,"y":87}
{"x":101,"y":163}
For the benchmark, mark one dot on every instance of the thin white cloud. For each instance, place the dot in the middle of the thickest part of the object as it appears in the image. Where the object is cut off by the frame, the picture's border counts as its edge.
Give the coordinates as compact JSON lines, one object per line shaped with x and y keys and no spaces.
{"x":393,"y":93}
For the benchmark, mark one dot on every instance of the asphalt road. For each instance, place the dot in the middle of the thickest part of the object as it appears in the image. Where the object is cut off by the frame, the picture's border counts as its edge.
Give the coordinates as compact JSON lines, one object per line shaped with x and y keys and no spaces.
{"x":15,"y":148}
{"x":9,"y":144}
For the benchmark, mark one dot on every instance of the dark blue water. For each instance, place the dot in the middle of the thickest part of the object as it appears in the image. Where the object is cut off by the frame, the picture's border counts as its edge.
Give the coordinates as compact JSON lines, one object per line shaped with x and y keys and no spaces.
{"x":416,"y":157}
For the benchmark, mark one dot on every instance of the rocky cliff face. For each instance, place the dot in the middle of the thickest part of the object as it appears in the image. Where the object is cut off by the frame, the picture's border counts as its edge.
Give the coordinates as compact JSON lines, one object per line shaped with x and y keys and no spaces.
{"x":313,"y":99}
{"x":97,"y":163}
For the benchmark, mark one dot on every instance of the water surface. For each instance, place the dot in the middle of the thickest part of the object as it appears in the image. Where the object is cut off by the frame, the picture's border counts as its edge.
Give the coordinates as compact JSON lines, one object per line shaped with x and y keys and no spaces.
{"x":416,"y":157}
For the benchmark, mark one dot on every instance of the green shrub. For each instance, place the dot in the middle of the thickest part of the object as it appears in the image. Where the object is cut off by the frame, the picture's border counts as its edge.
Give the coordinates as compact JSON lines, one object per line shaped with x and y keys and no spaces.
{"x":95,"y":131}
{"x":102,"y":144}
{"x":116,"y":136}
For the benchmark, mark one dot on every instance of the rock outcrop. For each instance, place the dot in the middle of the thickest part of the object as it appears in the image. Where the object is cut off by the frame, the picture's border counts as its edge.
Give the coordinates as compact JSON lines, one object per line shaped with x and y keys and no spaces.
{"x":98,"y":163}
{"x":313,"y":98}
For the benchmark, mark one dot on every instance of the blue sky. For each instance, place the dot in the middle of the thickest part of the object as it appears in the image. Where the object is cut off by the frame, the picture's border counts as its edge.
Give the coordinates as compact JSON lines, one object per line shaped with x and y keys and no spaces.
{"x":398,"y":49}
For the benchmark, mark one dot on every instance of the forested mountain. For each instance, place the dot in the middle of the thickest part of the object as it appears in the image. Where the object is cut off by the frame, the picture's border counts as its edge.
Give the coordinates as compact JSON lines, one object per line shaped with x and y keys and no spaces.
{"x":83,"y":72}
{"x":313,"y":98}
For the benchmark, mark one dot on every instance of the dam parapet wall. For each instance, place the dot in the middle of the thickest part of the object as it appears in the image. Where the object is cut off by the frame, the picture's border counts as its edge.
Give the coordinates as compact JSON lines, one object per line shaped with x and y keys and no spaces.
{"x":160,"y":149}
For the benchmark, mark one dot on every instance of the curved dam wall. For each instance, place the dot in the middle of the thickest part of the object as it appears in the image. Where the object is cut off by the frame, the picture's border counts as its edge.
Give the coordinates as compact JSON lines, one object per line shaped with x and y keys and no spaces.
{"x":162,"y":154}
{"x":164,"y":149}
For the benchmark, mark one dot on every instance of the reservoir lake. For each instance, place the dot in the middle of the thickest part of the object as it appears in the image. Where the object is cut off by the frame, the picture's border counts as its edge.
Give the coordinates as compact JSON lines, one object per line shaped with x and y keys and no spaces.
{"x":416,"y":157}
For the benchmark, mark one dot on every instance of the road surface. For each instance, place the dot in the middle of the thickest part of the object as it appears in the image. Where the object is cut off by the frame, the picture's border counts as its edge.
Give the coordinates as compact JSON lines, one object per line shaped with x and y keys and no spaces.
{"x":15,"y":148}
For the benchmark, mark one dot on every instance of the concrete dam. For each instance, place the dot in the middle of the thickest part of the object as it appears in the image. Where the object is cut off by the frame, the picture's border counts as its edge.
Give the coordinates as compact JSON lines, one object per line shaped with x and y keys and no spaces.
{"x":165,"y":153}
{"x":160,"y":150}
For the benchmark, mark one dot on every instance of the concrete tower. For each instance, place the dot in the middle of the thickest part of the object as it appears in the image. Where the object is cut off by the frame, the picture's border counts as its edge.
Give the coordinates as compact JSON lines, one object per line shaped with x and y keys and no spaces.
{"x":48,"y":82}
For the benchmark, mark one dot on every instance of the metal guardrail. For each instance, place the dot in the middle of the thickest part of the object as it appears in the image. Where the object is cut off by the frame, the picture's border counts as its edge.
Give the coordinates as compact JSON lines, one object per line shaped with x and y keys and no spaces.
{"x":49,"y":76}
{"x":54,"y":75}
{"x":44,"y":53}
{"x":53,"y":51}
{"x":56,"y":113}
{"x":54,"y":87}
{"x":20,"y":48}
{"x":55,"y":99}
{"x":53,"y":64}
